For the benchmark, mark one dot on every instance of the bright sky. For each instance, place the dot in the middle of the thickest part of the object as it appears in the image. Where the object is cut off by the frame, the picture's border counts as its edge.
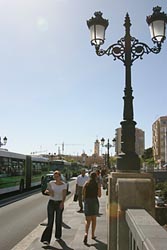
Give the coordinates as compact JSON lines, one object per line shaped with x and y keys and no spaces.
{"x":55,"y":89}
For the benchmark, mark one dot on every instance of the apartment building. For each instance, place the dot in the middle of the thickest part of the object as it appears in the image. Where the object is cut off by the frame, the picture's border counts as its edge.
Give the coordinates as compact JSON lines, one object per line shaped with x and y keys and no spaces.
{"x":139,"y":141}
{"x":159,"y":140}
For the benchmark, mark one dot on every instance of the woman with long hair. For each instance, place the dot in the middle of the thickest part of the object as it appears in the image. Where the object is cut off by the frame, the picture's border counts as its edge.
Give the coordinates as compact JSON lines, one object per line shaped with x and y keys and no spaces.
{"x":91,"y":192}
{"x":57,"y":194}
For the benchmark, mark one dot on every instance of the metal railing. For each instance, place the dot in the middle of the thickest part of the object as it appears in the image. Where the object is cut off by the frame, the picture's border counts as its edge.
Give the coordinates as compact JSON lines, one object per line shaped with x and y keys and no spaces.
{"x":144,"y":231}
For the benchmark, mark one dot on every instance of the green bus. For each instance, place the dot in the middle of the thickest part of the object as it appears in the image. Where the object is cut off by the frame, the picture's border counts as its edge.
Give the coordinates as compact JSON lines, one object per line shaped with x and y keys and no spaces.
{"x":19,"y":172}
{"x":63,"y":166}
{"x":76,"y":168}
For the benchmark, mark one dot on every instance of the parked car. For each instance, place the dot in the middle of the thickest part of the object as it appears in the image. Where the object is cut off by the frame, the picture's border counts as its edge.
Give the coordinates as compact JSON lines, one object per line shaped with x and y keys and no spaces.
{"x":49,"y":177}
{"x":164,"y":166}
{"x":159,"y":201}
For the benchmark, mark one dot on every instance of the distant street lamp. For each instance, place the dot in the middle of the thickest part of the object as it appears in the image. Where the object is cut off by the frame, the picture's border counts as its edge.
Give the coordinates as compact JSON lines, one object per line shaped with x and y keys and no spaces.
{"x":128,"y":49}
{"x":108,"y":146}
{"x":4,"y":141}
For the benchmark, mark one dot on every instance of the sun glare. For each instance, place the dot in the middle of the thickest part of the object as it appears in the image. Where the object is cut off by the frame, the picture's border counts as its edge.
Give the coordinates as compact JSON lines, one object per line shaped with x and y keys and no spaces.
{"x":42,"y":24}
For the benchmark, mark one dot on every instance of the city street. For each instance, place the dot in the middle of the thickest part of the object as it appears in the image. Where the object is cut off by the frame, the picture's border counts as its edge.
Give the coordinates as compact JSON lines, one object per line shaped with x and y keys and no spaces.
{"x":19,"y":218}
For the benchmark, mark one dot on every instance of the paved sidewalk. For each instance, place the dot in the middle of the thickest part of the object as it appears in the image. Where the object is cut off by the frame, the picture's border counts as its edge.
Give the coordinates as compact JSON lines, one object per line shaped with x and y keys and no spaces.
{"x":73,"y":231}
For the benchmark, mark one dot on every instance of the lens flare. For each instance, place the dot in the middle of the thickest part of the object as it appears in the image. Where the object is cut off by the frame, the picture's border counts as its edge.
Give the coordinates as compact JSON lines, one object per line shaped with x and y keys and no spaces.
{"x":42,"y":24}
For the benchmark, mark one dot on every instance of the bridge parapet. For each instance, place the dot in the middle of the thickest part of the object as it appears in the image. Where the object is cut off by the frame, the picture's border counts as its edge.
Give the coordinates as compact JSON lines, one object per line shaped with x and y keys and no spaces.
{"x":144,"y":231}
{"x":127,"y":191}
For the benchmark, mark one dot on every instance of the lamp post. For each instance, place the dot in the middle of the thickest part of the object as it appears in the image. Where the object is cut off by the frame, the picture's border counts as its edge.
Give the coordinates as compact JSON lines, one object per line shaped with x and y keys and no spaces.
{"x":128,"y":49}
{"x":4,"y":141}
{"x":108,"y":146}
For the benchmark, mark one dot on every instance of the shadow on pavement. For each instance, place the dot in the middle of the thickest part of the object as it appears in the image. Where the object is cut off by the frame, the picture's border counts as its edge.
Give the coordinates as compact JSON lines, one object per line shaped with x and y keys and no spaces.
{"x":99,"y":245}
{"x":64,"y":246}
{"x":65,"y":226}
{"x":50,"y":247}
{"x":43,"y":224}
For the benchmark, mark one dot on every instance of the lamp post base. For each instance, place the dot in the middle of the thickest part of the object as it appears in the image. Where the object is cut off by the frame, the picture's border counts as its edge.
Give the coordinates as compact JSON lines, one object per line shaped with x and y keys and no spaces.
{"x":128,"y":162}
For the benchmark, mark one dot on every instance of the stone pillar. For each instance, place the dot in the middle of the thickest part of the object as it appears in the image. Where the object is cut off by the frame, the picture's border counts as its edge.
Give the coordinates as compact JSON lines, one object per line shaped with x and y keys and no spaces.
{"x":127,"y":190}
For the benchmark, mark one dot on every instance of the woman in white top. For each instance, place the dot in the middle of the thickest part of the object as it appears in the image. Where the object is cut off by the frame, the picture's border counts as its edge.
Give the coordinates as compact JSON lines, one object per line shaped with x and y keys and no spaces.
{"x":57,"y":192}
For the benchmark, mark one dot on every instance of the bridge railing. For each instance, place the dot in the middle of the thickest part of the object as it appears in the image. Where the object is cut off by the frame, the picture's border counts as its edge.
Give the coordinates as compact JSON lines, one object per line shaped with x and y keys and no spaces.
{"x":144,"y":231}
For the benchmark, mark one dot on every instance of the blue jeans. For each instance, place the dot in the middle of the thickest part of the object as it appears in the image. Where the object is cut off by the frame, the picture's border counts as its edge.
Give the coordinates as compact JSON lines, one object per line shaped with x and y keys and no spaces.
{"x":53,"y":206}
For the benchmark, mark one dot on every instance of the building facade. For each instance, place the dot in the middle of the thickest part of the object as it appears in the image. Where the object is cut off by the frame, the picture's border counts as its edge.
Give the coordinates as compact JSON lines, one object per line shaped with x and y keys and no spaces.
{"x":139,"y":141}
{"x":159,"y":140}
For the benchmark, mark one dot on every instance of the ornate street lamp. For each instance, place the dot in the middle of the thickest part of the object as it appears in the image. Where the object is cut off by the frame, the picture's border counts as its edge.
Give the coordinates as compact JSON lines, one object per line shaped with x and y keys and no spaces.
{"x":108,"y":146}
{"x":127,"y":50}
{"x":4,"y":141}
{"x":157,"y":24}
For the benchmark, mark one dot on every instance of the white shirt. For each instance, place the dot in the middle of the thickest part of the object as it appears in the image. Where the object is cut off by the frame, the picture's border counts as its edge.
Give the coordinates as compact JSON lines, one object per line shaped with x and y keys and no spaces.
{"x":57,"y":190}
{"x":82,"y":179}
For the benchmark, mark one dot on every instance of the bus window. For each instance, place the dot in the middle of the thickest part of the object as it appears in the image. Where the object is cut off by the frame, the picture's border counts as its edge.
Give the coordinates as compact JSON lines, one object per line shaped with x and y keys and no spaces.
{"x":19,"y":172}
{"x":63,"y":166}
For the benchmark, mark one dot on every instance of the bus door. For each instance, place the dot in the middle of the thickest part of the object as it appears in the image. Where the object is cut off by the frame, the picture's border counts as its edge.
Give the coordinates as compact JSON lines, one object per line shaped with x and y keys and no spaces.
{"x":28,"y":171}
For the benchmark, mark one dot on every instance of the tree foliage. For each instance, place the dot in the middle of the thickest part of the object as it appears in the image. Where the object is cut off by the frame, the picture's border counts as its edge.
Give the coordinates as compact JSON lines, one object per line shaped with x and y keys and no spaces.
{"x":148,"y":154}
{"x":163,"y":187}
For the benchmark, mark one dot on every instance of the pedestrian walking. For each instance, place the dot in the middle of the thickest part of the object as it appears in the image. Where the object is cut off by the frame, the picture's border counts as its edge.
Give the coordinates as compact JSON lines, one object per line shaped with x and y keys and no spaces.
{"x":57,"y":193}
{"x":81,"y":179}
{"x":104,"y":177}
{"x":91,"y":192}
{"x":99,"y":177}
{"x":99,"y":181}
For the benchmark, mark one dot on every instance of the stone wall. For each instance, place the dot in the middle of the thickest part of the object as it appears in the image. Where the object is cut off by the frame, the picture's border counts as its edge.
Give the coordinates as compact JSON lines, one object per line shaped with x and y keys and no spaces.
{"x":127,"y":190}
